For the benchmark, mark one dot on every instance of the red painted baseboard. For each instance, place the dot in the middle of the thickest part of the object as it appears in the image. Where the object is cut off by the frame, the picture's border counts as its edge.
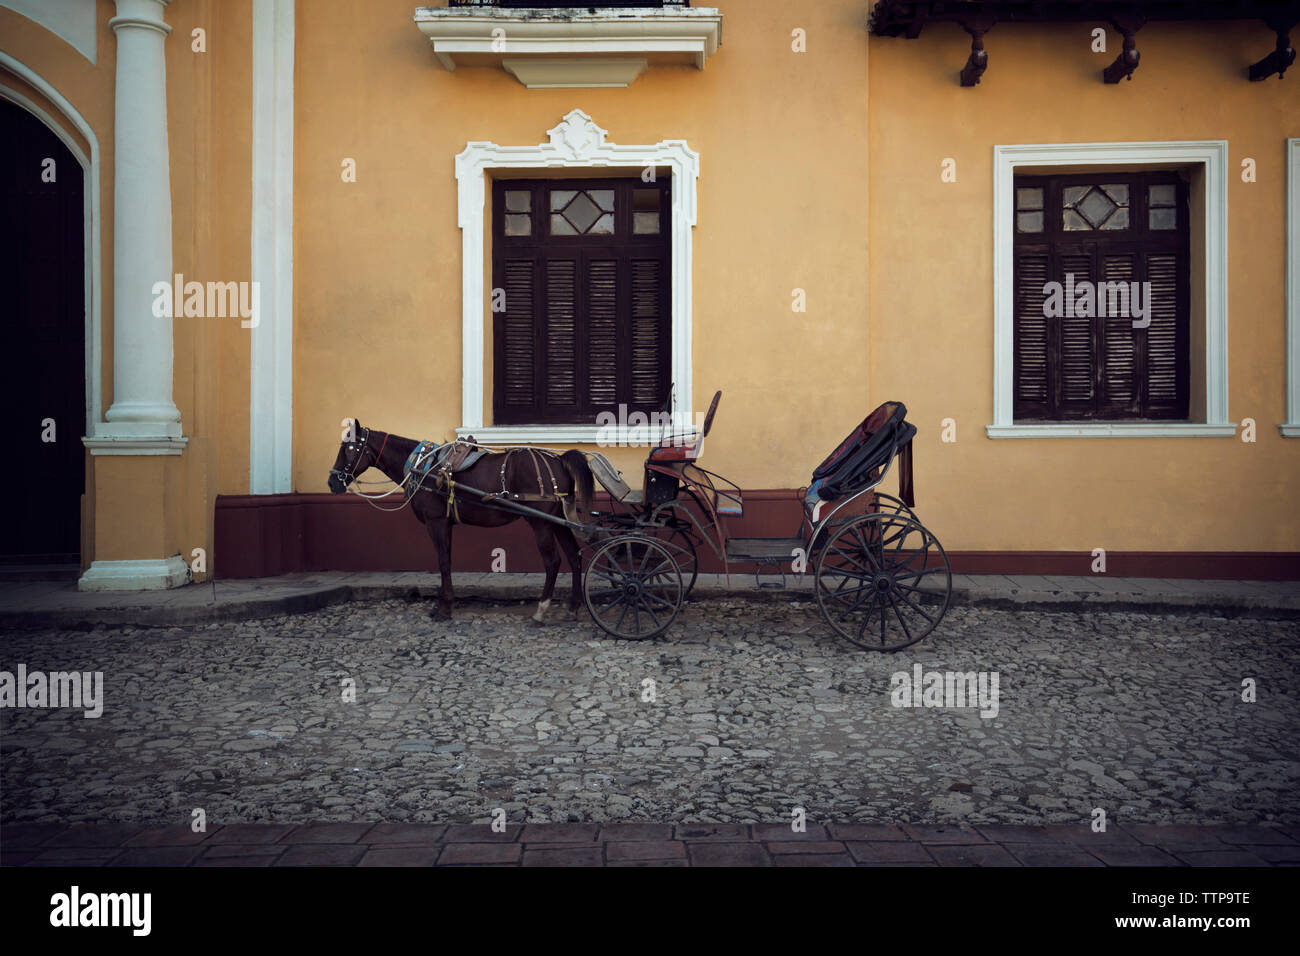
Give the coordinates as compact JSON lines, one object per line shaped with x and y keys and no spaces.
{"x":264,"y":535}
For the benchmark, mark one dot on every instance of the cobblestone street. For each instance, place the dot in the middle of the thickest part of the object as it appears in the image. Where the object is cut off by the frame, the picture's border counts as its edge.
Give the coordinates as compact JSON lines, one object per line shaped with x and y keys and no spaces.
{"x":756,"y":710}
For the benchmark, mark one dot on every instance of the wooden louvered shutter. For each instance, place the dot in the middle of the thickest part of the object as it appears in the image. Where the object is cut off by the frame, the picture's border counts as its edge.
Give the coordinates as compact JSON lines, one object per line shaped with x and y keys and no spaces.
{"x":585,"y":271}
{"x":602,"y":333}
{"x":648,"y":333}
{"x":1075,"y":347}
{"x":560,"y":333}
{"x":1102,"y":228}
{"x":1032,"y":352}
{"x":1166,"y":338}
{"x":516,"y":338}
{"x":1120,"y":372}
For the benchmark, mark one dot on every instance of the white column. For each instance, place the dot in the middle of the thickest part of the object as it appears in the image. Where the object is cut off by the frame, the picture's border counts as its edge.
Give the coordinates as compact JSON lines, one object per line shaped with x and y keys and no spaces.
{"x":142,"y":228}
{"x":270,"y":419}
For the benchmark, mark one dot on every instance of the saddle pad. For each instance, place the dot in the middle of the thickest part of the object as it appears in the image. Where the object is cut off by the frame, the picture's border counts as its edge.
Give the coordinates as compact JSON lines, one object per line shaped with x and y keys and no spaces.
{"x":429,"y":456}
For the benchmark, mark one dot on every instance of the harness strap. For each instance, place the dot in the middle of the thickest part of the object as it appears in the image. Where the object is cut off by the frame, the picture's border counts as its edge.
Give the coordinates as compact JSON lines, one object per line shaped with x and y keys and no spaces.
{"x":453,"y":511}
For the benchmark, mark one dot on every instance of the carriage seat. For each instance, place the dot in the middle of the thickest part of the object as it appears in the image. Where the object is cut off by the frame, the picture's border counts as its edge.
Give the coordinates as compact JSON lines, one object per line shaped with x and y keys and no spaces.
{"x":676,"y":448}
{"x":612,"y":480}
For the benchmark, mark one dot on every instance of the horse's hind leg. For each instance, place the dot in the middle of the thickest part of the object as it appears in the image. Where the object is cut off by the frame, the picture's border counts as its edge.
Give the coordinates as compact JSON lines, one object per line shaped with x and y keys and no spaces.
{"x":569,"y":545}
{"x":440,"y":533}
{"x":545,"y":535}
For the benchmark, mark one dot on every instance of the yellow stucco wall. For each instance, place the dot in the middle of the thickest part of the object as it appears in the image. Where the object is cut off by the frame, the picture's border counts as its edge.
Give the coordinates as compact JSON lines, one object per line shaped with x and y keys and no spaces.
{"x":932,"y":286}
{"x":782,"y":205}
{"x":819,"y":171}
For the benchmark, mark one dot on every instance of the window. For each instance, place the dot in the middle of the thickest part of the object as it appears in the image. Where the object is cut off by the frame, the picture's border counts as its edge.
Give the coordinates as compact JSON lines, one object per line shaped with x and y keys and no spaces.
{"x":1101,"y":297}
{"x":582,"y":304}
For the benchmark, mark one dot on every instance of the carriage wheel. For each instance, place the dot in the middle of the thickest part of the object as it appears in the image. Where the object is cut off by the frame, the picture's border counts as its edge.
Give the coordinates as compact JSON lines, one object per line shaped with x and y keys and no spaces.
{"x":678,"y":536}
{"x":633,"y":588}
{"x":883,"y":582}
{"x":888,"y":504}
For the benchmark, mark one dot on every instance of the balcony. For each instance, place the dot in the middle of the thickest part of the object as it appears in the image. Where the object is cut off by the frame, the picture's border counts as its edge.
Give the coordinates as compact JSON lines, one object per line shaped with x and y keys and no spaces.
{"x":553,"y":45}
{"x":558,"y":4}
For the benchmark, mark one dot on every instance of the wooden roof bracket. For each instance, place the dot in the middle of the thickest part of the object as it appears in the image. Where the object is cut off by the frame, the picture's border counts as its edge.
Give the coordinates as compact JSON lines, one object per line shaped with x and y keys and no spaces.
{"x":1127,"y":61}
{"x":978,"y":61}
{"x":1282,"y":57}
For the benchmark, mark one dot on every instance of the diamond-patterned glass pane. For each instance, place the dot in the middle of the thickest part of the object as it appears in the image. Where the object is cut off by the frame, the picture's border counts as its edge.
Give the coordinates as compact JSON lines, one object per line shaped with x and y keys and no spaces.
{"x":1117,"y":221}
{"x":604,"y":226}
{"x":560,"y":226}
{"x":1096,"y":206}
{"x":582,"y":212}
{"x":561,"y":198}
{"x":1076,"y":223}
{"x":604,"y":198}
{"x":1117,"y":192}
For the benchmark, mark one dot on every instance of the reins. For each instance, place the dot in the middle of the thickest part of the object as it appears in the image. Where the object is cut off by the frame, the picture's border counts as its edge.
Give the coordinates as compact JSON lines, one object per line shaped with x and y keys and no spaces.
{"x":371,"y":499}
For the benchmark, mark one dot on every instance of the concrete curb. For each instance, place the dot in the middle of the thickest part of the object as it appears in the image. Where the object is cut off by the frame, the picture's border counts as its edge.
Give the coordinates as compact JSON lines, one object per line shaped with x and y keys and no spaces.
{"x":275,"y":597}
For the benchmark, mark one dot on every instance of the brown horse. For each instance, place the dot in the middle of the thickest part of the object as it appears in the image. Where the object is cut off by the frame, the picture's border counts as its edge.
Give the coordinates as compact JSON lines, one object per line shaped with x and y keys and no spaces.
{"x":554,"y":485}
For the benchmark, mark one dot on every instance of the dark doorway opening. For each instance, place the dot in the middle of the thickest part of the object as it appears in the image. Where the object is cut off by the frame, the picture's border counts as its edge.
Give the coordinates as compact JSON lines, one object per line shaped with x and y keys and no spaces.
{"x":42,"y":286}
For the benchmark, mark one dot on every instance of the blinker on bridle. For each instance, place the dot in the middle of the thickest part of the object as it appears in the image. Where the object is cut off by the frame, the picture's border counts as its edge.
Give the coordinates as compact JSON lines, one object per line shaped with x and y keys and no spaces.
{"x":349,"y":473}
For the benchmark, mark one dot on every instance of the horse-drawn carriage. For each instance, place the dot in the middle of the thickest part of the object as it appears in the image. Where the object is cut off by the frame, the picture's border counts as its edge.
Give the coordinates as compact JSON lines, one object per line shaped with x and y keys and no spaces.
{"x":881,"y":578}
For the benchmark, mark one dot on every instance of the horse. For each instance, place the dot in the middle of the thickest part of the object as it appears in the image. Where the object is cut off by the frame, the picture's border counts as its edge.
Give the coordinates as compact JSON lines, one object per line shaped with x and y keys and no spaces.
{"x":559,"y":485}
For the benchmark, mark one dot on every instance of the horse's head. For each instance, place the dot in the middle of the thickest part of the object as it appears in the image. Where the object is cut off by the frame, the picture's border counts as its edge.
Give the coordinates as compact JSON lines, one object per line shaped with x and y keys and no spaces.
{"x":355,"y":456}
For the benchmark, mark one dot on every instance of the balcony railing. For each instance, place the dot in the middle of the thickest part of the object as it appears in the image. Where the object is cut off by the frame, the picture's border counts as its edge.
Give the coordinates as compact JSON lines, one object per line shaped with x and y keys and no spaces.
{"x":560,"y":4}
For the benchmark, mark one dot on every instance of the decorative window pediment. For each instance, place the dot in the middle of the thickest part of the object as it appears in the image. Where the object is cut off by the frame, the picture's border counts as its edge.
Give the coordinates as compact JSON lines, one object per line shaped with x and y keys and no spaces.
{"x":550,"y":47}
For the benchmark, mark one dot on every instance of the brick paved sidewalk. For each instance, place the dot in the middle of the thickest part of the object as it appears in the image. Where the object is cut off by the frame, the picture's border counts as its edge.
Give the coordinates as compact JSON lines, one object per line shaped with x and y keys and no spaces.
{"x":54,"y":604}
{"x":637,"y":844}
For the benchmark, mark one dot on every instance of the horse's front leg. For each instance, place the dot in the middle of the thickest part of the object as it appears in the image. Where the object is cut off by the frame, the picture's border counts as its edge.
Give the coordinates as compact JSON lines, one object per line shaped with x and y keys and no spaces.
{"x":545,"y":535}
{"x":440,"y":534}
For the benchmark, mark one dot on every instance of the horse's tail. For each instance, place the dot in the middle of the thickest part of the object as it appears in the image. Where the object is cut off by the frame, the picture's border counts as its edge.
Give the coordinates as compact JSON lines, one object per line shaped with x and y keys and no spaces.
{"x":584,"y":486}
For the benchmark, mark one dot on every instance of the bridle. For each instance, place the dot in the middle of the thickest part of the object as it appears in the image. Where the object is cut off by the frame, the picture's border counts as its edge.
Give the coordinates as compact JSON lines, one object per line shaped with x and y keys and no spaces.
{"x":350,"y":470}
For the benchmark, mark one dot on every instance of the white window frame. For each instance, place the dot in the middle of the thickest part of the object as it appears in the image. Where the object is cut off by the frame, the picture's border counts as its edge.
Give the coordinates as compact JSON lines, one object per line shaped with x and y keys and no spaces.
{"x":576,"y":143}
{"x":1291,"y":428}
{"x":1210,"y":154}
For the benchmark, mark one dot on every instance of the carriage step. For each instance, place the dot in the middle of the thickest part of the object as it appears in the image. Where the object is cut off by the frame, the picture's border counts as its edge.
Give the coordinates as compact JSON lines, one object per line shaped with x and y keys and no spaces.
{"x":763,"y":550}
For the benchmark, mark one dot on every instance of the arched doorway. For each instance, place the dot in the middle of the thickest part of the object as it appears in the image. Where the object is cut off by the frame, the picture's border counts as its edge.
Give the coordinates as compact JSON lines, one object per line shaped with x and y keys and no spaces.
{"x":42,"y":283}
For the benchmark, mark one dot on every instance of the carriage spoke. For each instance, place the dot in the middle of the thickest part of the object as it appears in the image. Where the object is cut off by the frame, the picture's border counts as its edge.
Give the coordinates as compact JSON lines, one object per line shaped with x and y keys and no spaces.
{"x":656,"y":571}
{"x":655,"y":597}
{"x":866,"y":619}
{"x":608,"y":577}
{"x":870,"y":550}
{"x":897,"y":614}
{"x":653,"y":616}
{"x":852,"y":560}
{"x":917,"y":607}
